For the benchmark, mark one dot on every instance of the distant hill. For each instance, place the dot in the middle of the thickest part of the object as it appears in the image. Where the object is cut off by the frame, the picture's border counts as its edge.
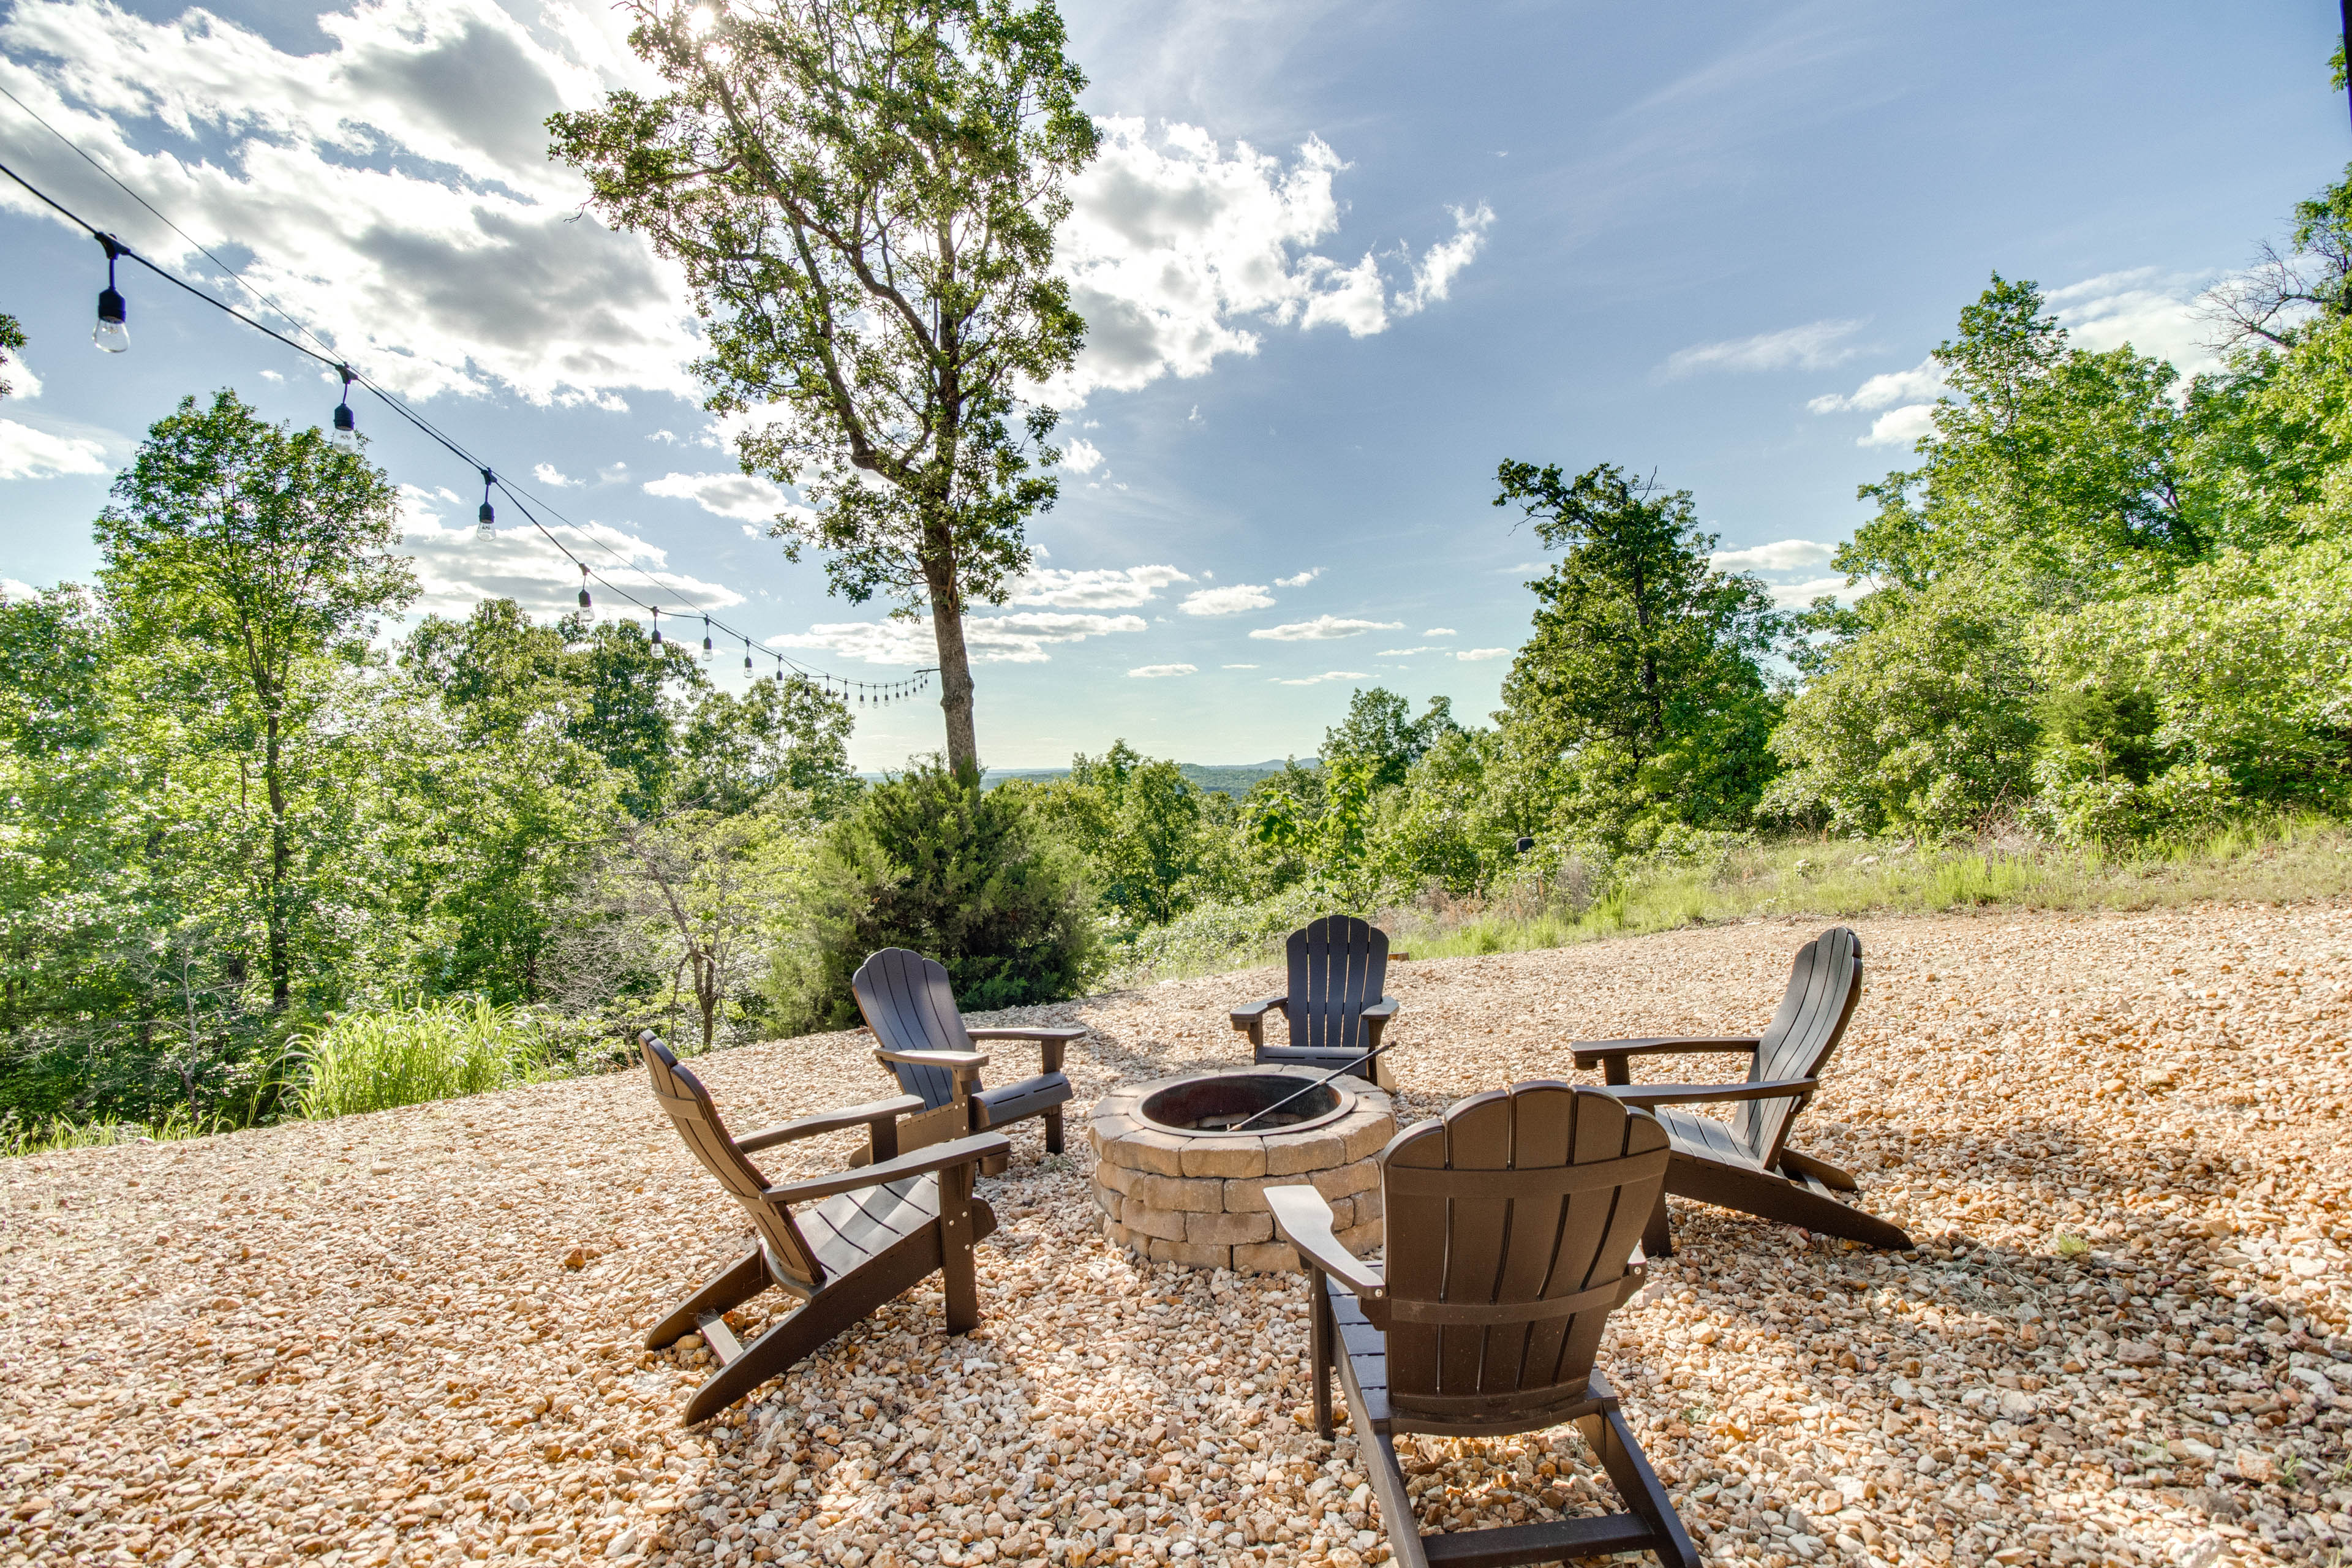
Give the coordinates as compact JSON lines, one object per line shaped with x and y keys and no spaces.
{"x":1229,"y":778}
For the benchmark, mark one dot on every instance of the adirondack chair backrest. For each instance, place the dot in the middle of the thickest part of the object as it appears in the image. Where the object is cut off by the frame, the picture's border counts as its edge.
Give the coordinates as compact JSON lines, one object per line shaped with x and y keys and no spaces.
{"x":688,"y":1104}
{"x":908,"y":1004}
{"x":1824,"y":984}
{"x":1510,"y":1222}
{"x":1339,"y":966}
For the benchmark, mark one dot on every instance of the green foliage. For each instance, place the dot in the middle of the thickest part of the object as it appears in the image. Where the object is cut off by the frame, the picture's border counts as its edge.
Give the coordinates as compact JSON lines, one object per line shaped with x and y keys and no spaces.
{"x":1138,"y":824}
{"x":12,"y":336}
{"x":862,"y":196}
{"x":1381,"y":730}
{"x":1642,"y":678}
{"x":439,"y":1051}
{"x":931,"y":862}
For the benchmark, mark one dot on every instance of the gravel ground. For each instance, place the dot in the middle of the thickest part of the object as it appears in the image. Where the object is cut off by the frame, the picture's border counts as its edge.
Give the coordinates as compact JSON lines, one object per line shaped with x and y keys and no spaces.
{"x":411,"y":1337}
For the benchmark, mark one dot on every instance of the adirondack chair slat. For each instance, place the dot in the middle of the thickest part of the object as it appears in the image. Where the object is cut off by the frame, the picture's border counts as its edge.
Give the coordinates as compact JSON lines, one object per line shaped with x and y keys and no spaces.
{"x":1746,"y":1163}
{"x":861,"y":1246}
{"x":1513,"y":1226}
{"x":909,"y":1003}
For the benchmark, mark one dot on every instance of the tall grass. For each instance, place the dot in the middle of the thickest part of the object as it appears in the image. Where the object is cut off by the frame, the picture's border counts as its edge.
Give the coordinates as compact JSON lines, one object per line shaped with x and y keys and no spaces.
{"x":437,"y":1050}
{"x":2276,"y":860}
{"x":59,"y":1132}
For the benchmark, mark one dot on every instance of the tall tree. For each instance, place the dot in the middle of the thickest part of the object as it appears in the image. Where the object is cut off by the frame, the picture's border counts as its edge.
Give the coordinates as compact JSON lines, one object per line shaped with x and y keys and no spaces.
{"x":239,"y":557}
{"x":863,"y":195}
{"x":1380,"y":728}
{"x":1642,"y":674}
{"x":12,"y":336}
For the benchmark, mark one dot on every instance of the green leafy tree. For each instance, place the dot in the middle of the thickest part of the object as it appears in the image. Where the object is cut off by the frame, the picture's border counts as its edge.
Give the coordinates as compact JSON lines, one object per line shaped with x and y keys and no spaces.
{"x":863,"y":195}
{"x":12,"y":340}
{"x":243,"y":562}
{"x":932,"y":862}
{"x":1642,"y":672}
{"x":1138,"y":821}
{"x":1380,"y":729}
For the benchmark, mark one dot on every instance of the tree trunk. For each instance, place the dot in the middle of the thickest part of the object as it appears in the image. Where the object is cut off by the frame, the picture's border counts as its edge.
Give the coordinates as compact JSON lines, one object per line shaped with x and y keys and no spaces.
{"x":281,"y":854}
{"x":955,"y":664}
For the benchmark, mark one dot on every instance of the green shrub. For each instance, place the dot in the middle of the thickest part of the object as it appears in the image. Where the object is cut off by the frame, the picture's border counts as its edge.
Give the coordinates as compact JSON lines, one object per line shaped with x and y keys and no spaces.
{"x":438,"y":1051}
{"x":930,"y":862}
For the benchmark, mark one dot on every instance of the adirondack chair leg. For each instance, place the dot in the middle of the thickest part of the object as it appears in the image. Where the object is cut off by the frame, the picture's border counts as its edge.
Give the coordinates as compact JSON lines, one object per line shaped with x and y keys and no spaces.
{"x":1799,"y":1164}
{"x":1612,"y":1442}
{"x":1776,"y":1198}
{"x":1052,"y":1120}
{"x":1396,"y":1506}
{"x":1321,"y":1333}
{"x":1657,"y":1236}
{"x":958,"y":1272}
{"x":730,"y":1287}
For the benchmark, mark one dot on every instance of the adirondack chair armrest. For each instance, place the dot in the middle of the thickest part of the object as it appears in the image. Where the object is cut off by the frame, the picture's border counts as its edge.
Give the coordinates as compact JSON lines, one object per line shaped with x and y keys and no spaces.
{"x":1591,"y":1054}
{"x":1302,"y":1216}
{"x":937,"y":1157}
{"x":960,"y":1063}
{"x":1383,"y":1009}
{"x":1251,"y":1020}
{"x":1648,"y":1094}
{"x":1051,"y":1042}
{"x":831,"y":1121}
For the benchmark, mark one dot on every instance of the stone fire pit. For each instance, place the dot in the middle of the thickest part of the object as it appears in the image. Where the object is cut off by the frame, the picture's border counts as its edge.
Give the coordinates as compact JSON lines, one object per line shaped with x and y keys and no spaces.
{"x":1179,"y":1186}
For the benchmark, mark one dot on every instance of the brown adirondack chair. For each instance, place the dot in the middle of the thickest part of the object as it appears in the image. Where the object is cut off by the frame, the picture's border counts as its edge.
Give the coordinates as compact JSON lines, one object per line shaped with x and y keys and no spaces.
{"x":1747,"y":1164}
{"x":869,"y":1235}
{"x":1512,"y":1232}
{"x":922,"y":1040}
{"x":1335,"y":1007}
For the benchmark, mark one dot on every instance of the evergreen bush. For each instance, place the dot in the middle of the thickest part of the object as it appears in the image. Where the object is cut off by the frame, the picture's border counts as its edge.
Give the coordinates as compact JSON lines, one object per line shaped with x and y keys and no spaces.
{"x":931,"y":862}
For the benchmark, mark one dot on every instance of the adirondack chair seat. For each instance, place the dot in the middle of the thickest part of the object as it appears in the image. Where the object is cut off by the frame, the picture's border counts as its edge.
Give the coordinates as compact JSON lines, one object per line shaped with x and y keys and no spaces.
{"x":1746,"y":1163}
{"x":1334,"y":1009}
{"x":1511,"y":1224}
{"x":921,"y":1037}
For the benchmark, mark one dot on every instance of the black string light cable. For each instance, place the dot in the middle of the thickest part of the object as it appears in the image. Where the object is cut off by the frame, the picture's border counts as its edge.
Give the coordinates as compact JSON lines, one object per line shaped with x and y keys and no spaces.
{"x":111,"y":334}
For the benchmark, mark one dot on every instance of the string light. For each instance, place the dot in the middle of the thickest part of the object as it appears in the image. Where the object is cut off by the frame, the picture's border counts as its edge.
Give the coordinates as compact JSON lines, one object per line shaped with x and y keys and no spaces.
{"x":113,"y":332}
{"x":706,"y":639}
{"x":347,"y":426}
{"x":747,"y":656}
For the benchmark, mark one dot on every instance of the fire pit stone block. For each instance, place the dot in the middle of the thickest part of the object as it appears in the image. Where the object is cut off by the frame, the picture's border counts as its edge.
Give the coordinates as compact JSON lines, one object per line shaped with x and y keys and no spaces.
{"x":1200,"y":1200}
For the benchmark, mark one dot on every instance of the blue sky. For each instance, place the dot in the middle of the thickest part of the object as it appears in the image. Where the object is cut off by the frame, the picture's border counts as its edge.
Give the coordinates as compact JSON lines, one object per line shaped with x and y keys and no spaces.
{"x":1340,"y":260}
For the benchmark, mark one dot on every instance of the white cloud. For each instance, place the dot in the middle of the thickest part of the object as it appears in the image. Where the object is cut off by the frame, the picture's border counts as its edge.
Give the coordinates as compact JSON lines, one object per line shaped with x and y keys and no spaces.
{"x":1019,"y":638}
{"x":1441,"y":632}
{"x":1301,"y":580}
{"x":1785,"y":555}
{"x":1476,"y":655}
{"x":668,"y":438}
{"x":1433,"y":274}
{"x":1327,"y":675}
{"x":1229,"y":600}
{"x":29,"y":454}
{"x":1792,"y":596}
{"x":1405,"y":652}
{"x":1899,"y":427}
{"x":393,"y":187}
{"x":549,"y":474}
{"x":1323,"y":627}
{"x":22,"y":383}
{"x":1081,"y":455}
{"x":743,"y":496}
{"x":1158,"y":671}
{"x":1922,"y":380}
{"x":1178,"y":250}
{"x":457,"y":570}
{"x":1812,"y":346}
{"x":1115,"y":588}
{"x":1240,"y":666}
{"x":10,"y":589}
{"x":2153,"y":310}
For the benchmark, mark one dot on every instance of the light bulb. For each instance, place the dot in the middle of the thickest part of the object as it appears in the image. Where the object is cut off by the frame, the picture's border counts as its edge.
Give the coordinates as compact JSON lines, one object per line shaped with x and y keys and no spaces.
{"x":111,"y":333}
{"x":585,"y":602}
{"x":347,"y":429}
{"x":487,"y":517}
{"x":657,"y":640}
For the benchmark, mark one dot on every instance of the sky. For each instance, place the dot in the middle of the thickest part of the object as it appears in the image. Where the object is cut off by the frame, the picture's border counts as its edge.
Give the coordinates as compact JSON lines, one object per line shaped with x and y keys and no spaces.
{"x":1338,"y":261}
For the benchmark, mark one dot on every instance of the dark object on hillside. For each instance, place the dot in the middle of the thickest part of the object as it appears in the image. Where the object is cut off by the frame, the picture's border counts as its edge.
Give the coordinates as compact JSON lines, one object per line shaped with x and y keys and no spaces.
{"x":1512,"y":1235}
{"x":873,"y":1234}
{"x":1523,"y":844}
{"x":1747,"y":1165}
{"x":909,"y":1006}
{"x":1335,"y":1007}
